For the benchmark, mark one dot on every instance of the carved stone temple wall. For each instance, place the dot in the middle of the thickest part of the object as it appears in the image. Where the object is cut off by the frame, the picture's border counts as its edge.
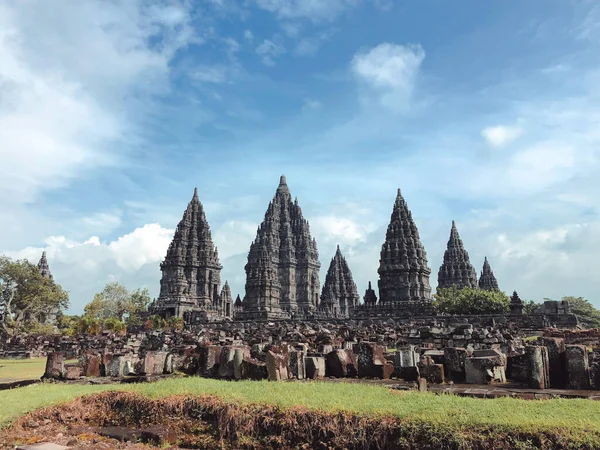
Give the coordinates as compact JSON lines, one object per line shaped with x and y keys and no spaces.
{"x":282,"y":273}
{"x":191,"y":272}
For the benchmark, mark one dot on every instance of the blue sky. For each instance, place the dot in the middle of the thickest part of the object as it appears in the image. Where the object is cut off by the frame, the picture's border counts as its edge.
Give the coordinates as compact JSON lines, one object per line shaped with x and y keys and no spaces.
{"x":482,"y":112}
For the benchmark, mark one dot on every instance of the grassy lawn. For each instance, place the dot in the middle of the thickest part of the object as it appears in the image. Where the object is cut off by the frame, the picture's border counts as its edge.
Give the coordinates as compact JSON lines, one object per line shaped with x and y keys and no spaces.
{"x":21,"y":369}
{"x":573,"y":414}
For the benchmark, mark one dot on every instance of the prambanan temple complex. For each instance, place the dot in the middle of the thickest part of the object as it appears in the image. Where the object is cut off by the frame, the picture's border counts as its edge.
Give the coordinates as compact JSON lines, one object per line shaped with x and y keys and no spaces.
{"x":282,"y":272}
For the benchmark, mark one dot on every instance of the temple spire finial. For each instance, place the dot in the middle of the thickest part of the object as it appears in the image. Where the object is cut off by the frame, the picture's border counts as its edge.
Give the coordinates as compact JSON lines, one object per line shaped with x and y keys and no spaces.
{"x":282,"y":181}
{"x":195,"y":192}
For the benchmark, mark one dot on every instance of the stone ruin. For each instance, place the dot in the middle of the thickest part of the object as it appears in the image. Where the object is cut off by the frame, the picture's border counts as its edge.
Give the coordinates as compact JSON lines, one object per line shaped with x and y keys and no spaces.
{"x":439,"y":351}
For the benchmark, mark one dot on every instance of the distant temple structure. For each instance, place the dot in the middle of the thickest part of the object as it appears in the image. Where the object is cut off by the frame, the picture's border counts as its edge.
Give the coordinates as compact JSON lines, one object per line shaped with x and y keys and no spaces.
{"x":456,"y":270}
{"x":44,"y":268}
{"x":282,"y":273}
{"x":487,"y":280}
{"x":49,"y":317}
{"x":191,"y":272}
{"x":340,"y":295}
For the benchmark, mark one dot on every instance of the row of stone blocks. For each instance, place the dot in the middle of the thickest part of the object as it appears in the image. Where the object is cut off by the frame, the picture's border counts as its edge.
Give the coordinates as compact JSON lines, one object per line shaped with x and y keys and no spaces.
{"x":554,"y":365}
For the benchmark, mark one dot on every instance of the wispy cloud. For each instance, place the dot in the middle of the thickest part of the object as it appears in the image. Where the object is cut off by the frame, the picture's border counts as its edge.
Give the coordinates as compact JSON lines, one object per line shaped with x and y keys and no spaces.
{"x":388,"y":72}
{"x":501,"y":135}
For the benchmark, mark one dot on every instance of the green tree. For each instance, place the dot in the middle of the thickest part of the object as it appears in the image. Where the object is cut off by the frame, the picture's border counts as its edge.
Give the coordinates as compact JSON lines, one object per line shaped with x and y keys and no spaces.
{"x":587,"y":313}
{"x":471,"y":301}
{"x":116,"y":302}
{"x":530,"y":307}
{"x":26,"y":295}
{"x":113,"y":324}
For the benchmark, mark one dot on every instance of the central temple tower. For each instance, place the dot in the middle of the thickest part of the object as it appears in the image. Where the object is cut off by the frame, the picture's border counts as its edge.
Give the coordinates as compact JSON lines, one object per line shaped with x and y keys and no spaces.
{"x":282,"y":273}
{"x":403,"y":270}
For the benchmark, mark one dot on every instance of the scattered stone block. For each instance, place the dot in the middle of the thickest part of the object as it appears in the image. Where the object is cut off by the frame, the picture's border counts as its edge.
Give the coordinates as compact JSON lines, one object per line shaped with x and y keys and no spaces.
{"x":297,"y":368}
{"x":433,"y":373}
{"x":341,"y":364}
{"x":537,"y":358}
{"x":454,"y":363}
{"x":91,"y":365}
{"x":556,"y":361}
{"x":253,"y":369}
{"x":55,"y":366}
{"x":372,"y":362}
{"x":315,"y":367}
{"x":72,"y":371}
{"x":208,"y":361}
{"x":277,"y":366}
{"x":154,"y":363}
{"x":578,"y":370}
{"x":485,"y":367}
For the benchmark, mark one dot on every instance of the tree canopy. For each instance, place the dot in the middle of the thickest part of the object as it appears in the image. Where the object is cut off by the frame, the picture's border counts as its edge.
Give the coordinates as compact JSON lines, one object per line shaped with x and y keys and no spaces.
{"x":25,"y":295}
{"x":471,"y":301}
{"x":116,"y":302}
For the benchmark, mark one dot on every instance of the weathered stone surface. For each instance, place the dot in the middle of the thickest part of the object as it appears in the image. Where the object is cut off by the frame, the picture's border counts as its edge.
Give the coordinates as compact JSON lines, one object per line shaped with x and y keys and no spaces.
{"x":72,"y":372}
{"x":208,"y":360}
{"x":341,"y":364}
{"x":532,"y":367}
{"x":556,"y":360}
{"x":433,"y":373}
{"x":456,"y":270}
{"x":577,"y":365}
{"x":487,"y":280}
{"x":297,"y":368}
{"x":91,"y":366}
{"x":282,"y":273}
{"x":485,"y":367}
{"x":372,"y":362}
{"x":403,"y":270}
{"x":277,"y":366}
{"x":154,"y":363}
{"x":55,"y":366}
{"x":315,"y":367}
{"x":454,"y":363}
{"x":252,"y":369}
{"x":340,"y":295}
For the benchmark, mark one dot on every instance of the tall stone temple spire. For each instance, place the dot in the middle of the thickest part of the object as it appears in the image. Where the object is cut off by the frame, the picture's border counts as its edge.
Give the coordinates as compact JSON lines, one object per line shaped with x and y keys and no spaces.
{"x":340,"y":295}
{"x":403,"y":270}
{"x":226,"y":301}
{"x":487,"y":280}
{"x":456,"y":270}
{"x":282,"y":273}
{"x":43,"y":267}
{"x":191,"y":272}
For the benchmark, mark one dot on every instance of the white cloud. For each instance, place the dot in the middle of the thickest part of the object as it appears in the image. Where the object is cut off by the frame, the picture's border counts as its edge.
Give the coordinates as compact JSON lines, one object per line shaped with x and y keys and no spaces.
{"x":142,"y":246}
{"x":340,"y":230}
{"x":62,"y":83}
{"x":501,"y":135}
{"x":269,"y":51}
{"x":389,"y":71}
{"x":248,"y":35}
{"x":102,"y":222}
{"x":311,"y":104}
{"x":315,"y":10}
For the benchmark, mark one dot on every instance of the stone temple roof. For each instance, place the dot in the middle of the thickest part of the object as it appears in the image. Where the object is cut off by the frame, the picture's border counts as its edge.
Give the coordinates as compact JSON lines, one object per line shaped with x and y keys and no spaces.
{"x":339,"y":284}
{"x":402,"y":248}
{"x":456,"y":270}
{"x":43,"y":267}
{"x":487,"y":280}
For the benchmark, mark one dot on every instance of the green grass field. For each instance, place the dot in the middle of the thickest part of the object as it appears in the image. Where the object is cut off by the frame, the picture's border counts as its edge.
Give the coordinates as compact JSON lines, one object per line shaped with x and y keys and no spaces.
{"x":21,"y":369}
{"x":577,"y":414}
